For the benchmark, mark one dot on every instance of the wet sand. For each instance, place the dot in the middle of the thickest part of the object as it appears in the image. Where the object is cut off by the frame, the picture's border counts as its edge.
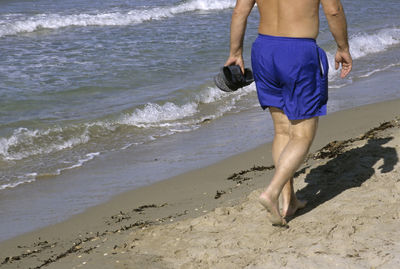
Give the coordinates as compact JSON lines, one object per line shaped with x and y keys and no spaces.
{"x":210,"y":218}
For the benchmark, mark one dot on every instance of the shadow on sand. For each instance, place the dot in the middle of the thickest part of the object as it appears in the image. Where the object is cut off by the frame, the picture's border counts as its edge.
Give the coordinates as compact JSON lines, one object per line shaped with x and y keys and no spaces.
{"x":347,"y":170}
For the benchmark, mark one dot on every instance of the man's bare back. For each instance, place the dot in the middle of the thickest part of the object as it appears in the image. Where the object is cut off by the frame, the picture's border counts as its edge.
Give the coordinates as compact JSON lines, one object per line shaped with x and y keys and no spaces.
{"x":290,"y":18}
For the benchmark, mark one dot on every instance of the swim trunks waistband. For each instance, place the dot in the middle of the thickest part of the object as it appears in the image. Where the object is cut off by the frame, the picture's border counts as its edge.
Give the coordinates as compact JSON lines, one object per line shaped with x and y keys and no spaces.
{"x":285,"y":38}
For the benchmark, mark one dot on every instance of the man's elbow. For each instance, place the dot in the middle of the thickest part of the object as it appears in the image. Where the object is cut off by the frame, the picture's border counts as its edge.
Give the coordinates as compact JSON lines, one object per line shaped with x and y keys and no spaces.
{"x":334,"y":10}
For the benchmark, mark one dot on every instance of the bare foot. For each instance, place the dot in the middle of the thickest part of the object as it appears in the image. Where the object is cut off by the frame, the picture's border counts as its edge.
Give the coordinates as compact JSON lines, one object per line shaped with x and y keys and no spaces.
{"x":273,"y":209}
{"x":289,"y":209}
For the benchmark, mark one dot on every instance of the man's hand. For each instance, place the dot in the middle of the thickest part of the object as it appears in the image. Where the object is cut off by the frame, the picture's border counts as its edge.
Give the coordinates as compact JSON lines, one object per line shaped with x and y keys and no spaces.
{"x":236,"y":60}
{"x":238,"y":27}
{"x":344,"y":58}
{"x":337,"y":24}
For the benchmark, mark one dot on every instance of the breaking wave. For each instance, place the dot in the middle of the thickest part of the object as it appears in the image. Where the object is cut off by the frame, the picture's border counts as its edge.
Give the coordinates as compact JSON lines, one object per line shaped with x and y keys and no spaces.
{"x":23,"y":142}
{"x":137,"y":16}
{"x":363,"y":44}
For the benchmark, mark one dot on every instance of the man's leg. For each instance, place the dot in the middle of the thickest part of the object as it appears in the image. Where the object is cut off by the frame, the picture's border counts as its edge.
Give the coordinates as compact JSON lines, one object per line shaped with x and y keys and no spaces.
{"x":295,"y":137}
{"x":290,"y":203}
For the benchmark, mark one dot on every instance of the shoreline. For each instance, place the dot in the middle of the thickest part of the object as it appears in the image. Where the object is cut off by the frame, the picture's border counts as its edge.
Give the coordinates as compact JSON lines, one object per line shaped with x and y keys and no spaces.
{"x":186,"y":196}
{"x":46,"y":202}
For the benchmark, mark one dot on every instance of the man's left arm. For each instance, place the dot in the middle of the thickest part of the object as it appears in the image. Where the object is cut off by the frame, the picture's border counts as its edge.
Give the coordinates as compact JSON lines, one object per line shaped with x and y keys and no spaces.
{"x":238,"y":28}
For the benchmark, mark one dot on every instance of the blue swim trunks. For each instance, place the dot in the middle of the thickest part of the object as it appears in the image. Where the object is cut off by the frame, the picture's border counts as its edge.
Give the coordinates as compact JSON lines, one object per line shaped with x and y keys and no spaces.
{"x":291,"y":74}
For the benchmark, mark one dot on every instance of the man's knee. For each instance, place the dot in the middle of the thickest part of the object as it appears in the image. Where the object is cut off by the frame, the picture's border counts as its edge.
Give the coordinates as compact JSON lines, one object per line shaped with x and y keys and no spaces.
{"x":305,"y":137}
{"x":304,"y":129}
{"x":282,"y":130}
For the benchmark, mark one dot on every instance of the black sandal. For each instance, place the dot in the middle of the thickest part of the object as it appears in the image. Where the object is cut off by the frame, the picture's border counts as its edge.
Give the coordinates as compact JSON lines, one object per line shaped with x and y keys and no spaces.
{"x":230,"y":78}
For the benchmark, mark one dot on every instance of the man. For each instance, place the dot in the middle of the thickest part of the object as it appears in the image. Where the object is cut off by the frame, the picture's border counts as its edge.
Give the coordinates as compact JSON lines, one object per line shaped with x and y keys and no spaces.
{"x":290,"y":72}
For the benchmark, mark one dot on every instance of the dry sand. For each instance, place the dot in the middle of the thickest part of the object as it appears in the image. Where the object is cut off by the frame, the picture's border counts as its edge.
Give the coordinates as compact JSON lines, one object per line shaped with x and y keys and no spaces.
{"x":352,"y":219}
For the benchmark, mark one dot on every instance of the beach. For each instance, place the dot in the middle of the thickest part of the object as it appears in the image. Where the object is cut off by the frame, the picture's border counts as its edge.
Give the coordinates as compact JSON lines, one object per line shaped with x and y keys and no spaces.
{"x":117,"y":150}
{"x":210,"y":217}
{"x":97,"y":100}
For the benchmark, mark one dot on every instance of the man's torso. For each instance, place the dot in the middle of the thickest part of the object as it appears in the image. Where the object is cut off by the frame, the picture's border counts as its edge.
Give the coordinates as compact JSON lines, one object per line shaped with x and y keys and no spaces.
{"x":290,"y":18}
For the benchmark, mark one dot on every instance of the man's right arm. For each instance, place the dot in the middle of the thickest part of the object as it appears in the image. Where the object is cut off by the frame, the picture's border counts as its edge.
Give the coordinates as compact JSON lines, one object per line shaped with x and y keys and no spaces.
{"x":238,"y":28}
{"x":334,"y":13}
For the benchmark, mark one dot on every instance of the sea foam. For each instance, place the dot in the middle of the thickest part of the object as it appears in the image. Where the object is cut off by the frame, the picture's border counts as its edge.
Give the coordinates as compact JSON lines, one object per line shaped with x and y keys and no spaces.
{"x":24,"y":142}
{"x":364,"y":44}
{"x":28,"y":178}
{"x":121,"y":18}
{"x":32,"y":177}
{"x":172,"y":115}
{"x":152,"y":114}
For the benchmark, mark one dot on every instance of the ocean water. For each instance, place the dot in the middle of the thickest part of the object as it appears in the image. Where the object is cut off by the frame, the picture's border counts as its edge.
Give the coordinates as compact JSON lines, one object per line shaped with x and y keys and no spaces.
{"x":100,"y":98}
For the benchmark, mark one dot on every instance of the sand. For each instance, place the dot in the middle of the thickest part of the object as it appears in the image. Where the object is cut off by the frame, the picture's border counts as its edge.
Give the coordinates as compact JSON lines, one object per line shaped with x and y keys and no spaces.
{"x":210,"y":218}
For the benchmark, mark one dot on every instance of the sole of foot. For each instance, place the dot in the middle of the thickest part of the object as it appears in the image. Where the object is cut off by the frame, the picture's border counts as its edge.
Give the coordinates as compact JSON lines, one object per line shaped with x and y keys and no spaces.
{"x":274,"y":218}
